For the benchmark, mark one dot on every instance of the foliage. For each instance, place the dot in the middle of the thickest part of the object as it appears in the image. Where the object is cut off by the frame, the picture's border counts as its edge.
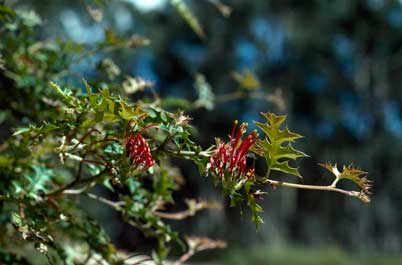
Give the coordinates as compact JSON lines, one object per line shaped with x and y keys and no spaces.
{"x":70,"y":143}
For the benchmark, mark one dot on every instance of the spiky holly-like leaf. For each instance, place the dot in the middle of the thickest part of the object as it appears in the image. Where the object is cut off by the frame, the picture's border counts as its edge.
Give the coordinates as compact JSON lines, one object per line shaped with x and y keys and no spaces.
{"x":66,"y":94}
{"x":349,"y":172}
{"x":44,"y":128}
{"x":35,"y":183}
{"x":276,"y":148}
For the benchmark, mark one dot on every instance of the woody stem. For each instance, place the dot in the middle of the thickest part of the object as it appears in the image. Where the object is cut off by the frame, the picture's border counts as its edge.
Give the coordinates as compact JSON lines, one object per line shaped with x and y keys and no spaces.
{"x":189,"y":153}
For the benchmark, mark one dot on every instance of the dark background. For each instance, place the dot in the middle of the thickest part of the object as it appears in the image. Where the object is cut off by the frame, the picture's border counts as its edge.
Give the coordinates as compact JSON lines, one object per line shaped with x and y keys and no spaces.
{"x":337,"y":65}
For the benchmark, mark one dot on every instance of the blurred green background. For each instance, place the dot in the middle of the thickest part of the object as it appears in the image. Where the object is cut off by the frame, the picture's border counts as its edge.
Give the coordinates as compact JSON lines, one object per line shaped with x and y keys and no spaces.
{"x":334,"y":67}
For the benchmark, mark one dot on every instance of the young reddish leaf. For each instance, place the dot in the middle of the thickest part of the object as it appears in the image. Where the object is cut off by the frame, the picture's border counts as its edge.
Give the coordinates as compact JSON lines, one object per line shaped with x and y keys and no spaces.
{"x":354,"y":174}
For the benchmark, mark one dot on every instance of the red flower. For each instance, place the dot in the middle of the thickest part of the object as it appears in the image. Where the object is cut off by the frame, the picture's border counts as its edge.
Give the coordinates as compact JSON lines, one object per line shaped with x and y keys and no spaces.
{"x":232,"y":157}
{"x":137,"y":148}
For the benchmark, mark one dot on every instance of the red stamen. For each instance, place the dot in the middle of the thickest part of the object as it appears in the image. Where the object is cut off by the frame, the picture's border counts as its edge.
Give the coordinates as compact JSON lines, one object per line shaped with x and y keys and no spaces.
{"x":232,"y":156}
{"x":137,"y":148}
{"x":234,"y":146}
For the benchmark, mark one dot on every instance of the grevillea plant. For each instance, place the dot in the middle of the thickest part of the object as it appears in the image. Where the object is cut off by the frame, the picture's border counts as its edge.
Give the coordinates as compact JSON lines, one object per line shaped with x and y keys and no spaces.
{"x":97,"y":138}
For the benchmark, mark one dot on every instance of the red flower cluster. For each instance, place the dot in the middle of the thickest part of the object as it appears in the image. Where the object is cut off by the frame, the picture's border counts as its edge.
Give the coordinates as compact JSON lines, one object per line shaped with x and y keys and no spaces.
{"x":137,"y":148}
{"x":232,"y":157}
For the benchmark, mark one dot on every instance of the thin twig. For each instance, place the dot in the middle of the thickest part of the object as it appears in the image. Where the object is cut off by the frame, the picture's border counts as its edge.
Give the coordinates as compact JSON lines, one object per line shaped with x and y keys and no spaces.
{"x":77,"y":180}
{"x":174,"y":216}
{"x":193,"y":208}
{"x":80,"y":190}
{"x":356,"y":194}
{"x":141,"y":261}
{"x":85,"y":136}
{"x":168,"y":138}
{"x":206,"y":153}
{"x":71,"y":184}
{"x":198,"y":244}
{"x":114,"y":205}
{"x":186,"y":256}
{"x":105,"y":140}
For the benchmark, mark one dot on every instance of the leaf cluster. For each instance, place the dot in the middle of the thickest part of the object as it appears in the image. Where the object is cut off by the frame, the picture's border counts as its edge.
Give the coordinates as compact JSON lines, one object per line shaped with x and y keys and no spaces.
{"x":69,"y":145}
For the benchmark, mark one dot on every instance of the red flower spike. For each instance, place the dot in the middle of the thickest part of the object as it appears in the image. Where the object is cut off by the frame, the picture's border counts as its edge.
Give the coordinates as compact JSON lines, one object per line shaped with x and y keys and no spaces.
{"x":137,"y":148}
{"x":232,"y":156}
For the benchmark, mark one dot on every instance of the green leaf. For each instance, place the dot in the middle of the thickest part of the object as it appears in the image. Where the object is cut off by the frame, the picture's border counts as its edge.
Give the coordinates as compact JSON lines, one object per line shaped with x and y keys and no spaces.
{"x":112,"y":40}
{"x":87,"y":87}
{"x":276,"y":148}
{"x":5,"y":160}
{"x":255,"y":210}
{"x":132,"y":85}
{"x":225,"y":10}
{"x":114,"y":148}
{"x":189,"y":17}
{"x":285,"y":168}
{"x":37,"y":180}
{"x":16,"y":219}
{"x":128,"y":112}
{"x":44,"y":128}
{"x":94,"y":169}
{"x":29,"y":18}
{"x":247,"y":80}
{"x":99,"y":116}
{"x":6,"y":12}
{"x":21,"y":131}
{"x":66,"y":94}
{"x":91,"y":96}
{"x":206,"y":97}
{"x":163,"y":184}
{"x":109,"y":100}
